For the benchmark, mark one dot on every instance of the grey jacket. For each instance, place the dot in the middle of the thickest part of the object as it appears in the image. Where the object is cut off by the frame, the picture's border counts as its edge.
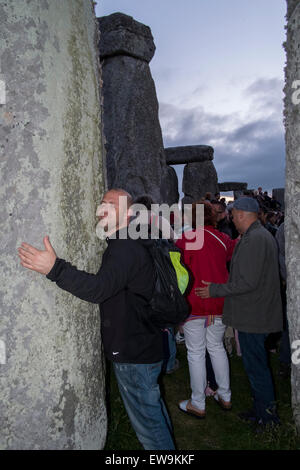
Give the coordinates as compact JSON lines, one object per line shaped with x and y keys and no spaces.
{"x":252,"y":293}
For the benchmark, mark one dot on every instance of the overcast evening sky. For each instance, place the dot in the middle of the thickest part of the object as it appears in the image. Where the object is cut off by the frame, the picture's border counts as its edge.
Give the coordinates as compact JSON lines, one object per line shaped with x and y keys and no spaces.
{"x":219,"y":74}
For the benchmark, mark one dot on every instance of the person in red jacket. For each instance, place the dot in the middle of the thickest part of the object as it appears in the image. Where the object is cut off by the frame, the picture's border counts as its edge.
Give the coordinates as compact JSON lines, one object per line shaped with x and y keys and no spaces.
{"x":204,"y":328}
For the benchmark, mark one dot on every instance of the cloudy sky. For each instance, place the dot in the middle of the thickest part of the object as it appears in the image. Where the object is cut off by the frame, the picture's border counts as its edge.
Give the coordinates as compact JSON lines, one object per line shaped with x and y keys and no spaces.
{"x":219,"y":74}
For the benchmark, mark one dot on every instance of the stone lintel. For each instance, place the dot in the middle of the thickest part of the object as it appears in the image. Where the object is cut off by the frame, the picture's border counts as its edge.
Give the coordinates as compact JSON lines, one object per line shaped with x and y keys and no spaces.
{"x":189,"y":154}
{"x":232,"y":186}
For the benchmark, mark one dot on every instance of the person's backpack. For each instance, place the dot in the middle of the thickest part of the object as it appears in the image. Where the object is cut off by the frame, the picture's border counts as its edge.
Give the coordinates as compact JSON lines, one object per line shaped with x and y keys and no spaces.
{"x":168,"y":306}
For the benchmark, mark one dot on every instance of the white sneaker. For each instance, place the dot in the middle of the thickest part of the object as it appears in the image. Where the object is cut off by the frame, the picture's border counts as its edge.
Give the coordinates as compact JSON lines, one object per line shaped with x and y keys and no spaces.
{"x":187,"y":407}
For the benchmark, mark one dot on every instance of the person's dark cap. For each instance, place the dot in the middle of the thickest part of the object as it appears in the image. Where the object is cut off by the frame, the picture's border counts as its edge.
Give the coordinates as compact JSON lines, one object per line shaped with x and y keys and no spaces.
{"x":247,"y":204}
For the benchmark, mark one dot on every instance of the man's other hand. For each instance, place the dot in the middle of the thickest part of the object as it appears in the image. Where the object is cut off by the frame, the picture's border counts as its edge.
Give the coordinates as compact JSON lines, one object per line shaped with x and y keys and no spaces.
{"x":41,"y":261}
{"x":203,"y":292}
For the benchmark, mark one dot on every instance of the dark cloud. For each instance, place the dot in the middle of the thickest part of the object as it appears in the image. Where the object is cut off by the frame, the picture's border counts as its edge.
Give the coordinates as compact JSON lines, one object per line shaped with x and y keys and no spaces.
{"x":252,"y":150}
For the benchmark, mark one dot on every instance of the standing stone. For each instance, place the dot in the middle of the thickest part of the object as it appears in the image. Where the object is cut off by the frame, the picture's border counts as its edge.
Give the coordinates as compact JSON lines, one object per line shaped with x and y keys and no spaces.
{"x":169,"y":187}
{"x":135,"y":158}
{"x":51,"y":366}
{"x":278,"y":193}
{"x":237,"y":194}
{"x":198,"y":179}
{"x":292,"y":191}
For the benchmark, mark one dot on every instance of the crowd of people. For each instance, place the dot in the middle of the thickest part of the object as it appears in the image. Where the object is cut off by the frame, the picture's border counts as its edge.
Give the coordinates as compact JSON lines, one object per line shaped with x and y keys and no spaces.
{"x":253,"y":305}
{"x":235,"y":284}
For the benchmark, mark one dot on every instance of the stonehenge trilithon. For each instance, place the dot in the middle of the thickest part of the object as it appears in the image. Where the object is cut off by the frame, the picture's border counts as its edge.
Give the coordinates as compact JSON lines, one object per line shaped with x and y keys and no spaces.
{"x":199,"y":175}
{"x":51,"y":366}
{"x":135,"y":158}
{"x":292,"y":191}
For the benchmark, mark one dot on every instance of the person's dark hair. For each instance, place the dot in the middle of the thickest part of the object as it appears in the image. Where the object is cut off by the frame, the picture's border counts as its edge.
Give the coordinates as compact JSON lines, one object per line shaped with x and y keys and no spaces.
{"x":219,"y":203}
{"x":210,"y":215}
{"x":270,"y":215}
{"x":145,"y":199}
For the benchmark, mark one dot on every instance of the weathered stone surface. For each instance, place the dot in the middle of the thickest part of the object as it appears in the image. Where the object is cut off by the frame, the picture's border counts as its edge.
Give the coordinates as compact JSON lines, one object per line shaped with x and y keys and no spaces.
{"x":292,"y":190}
{"x":135,"y":158}
{"x":169,"y":187}
{"x":198,"y":179}
{"x":51,"y":371}
{"x":188,"y":154}
{"x":121,"y":34}
{"x":232,"y":186}
{"x":238,"y":193}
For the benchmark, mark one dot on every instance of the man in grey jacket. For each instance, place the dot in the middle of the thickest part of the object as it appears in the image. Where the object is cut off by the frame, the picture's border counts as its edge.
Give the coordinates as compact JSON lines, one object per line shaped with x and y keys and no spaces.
{"x":252,"y":304}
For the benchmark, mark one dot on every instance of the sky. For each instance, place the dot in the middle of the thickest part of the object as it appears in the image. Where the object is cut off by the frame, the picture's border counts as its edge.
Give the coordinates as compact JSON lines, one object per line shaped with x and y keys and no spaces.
{"x":218,"y":70}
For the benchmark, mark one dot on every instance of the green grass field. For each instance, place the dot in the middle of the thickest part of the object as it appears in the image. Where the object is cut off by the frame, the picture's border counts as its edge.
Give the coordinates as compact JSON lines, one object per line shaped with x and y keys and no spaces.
{"x":220,"y":430}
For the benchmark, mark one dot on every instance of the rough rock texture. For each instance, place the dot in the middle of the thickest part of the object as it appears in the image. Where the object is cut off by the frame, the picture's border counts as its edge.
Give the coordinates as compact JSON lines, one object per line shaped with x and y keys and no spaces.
{"x":121,"y":34}
{"x":188,"y":154}
{"x":51,"y":372}
{"x":292,"y":190}
{"x":232,"y":186}
{"x":198,"y":179}
{"x":135,"y":158}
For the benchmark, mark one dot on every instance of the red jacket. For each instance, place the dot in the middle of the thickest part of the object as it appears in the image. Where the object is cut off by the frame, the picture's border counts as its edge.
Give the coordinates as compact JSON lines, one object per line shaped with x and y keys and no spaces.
{"x":207,"y":264}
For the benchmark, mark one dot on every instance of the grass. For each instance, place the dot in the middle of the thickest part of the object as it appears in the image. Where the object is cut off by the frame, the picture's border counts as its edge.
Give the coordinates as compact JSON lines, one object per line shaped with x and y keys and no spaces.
{"x":220,"y":430}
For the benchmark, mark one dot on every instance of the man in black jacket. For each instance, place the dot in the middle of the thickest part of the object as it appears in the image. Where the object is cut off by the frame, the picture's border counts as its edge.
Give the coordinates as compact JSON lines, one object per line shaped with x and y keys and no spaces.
{"x":122,"y":287}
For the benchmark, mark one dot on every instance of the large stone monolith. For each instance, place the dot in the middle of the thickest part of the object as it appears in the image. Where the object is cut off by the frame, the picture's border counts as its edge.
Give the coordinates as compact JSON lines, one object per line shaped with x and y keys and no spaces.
{"x":135,"y":158}
{"x":278,"y":194}
{"x":51,"y":365}
{"x":292,"y":193}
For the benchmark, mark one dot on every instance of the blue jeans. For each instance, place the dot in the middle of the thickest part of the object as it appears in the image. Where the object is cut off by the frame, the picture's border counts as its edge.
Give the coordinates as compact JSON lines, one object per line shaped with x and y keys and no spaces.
{"x":142,"y":399}
{"x":257,"y":368}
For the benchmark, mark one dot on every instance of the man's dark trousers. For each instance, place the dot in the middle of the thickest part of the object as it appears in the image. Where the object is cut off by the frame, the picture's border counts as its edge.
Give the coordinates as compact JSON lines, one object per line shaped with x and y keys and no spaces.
{"x":257,"y":368}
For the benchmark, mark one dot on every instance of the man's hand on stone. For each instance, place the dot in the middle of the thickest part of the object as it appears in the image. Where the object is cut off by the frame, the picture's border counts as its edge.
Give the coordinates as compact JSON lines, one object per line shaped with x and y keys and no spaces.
{"x":41,"y":261}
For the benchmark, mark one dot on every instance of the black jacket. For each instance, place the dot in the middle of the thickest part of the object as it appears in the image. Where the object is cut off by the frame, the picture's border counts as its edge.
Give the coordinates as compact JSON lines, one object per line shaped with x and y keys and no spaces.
{"x":123,"y":287}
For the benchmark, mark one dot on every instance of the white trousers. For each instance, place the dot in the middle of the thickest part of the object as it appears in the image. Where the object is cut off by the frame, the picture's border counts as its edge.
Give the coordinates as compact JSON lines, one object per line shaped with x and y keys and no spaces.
{"x":197,"y":339}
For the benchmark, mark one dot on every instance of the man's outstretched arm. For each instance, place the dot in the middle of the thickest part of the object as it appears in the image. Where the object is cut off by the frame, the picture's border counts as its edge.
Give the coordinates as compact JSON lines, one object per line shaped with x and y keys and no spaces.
{"x":41,"y":261}
{"x":96,"y":288}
